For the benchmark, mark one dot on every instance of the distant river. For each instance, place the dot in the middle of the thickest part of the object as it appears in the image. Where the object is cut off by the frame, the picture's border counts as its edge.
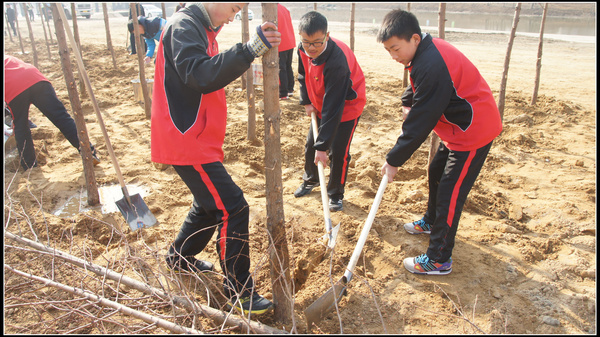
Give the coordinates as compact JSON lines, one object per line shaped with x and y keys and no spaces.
{"x":584,"y":27}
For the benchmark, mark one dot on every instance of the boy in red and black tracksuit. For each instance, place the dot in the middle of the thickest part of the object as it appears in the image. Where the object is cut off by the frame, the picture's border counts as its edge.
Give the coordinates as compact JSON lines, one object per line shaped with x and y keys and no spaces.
{"x":24,"y":85}
{"x":332,"y":85}
{"x":189,"y":116}
{"x":449,"y":96}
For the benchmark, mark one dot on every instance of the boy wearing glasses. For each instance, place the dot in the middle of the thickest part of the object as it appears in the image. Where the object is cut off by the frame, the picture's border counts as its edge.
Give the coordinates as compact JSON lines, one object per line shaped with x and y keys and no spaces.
{"x":332,"y":85}
{"x":449,"y":96}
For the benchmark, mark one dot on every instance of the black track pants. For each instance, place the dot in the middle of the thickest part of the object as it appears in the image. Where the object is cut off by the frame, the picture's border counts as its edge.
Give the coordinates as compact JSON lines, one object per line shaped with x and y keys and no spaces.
{"x":451,"y":177}
{"x":339,"y":159}
{"x":43,"y":96}
{"x":219,"y":204}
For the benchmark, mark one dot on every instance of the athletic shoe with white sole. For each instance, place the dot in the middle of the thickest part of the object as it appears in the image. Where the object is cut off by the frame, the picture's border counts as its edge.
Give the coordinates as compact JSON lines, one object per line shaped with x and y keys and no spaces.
{"x":336,"y":205}
{"x":305,"y":189}
{"x":425,"y":266}
{"x":418,"y":227}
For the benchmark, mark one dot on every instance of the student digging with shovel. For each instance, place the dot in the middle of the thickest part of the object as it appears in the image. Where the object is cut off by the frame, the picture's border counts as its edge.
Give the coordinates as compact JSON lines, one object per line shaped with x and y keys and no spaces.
{"x":189,"y":117}
{"x":446,"y":95}
{"x":332,"y":85}
{"x":25,"y":85}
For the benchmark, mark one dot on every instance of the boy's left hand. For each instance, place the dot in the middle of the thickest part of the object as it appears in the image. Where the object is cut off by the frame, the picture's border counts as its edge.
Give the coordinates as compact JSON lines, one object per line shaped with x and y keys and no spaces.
{"x":390,"y":170}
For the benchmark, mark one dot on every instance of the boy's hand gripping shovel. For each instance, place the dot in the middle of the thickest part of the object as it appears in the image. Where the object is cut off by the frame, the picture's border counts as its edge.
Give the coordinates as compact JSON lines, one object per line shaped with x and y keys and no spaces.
{"x":330,"y":233}
{"x":133,"y":208}
{"x":325,"y":303}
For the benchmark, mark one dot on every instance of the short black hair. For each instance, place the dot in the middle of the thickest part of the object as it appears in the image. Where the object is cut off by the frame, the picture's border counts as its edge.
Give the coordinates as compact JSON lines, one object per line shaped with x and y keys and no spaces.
{"x":398,"y":23}
{"x":312,"y":22}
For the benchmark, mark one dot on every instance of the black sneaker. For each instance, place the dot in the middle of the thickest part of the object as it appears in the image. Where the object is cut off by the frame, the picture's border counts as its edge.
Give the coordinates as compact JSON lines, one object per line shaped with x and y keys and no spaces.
{"x":32,"y":125}
{"x":335,"y":205}
{"x":304,"y":189}
{"x":190,"y":264}
{"x":255,"y":305}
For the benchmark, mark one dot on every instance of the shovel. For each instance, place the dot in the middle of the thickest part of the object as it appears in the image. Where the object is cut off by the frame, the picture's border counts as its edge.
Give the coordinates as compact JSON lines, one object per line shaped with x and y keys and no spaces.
{"x":326,"y":303}
{"x":133,"y":208}
{"x":330,"y":233}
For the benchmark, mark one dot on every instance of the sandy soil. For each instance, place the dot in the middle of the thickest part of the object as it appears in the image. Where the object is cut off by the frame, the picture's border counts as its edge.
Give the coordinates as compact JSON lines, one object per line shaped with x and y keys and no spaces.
{"x":525,"y":256}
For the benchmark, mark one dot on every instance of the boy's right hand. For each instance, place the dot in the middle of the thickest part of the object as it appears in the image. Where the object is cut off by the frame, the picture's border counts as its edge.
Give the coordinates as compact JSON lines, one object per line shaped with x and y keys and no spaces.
{"x":390,"y":171}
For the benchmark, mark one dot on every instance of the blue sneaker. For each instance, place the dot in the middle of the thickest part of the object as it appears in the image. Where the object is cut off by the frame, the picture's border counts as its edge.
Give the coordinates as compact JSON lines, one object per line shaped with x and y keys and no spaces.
{"x":418,"y":227}
{"x":425,"y":266}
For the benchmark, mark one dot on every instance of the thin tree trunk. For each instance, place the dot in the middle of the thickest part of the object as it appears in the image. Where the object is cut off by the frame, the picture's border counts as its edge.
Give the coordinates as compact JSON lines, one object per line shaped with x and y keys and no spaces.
{"x":42,"y":17}
{"x":141,"y":55}
{"x":18,"y":31}
{"x":442,"y":21}
{"x":249,"y":79}
{"x":245,"y":37}
{"x":48,"y":23}
{"x":108,"y":39}
{"x":315,"y":6}
{"x":164,"y":10}
{"x":75,"y":26}
{"x":279,"y":255}
{"x":352,"y":11}
{"x":35,"y":55}
{"x":84,"y":142}
{"x":502,"y":94}
{"x":538,"y":65}
{"x":405,"y":78}
{"x":78,"y":41}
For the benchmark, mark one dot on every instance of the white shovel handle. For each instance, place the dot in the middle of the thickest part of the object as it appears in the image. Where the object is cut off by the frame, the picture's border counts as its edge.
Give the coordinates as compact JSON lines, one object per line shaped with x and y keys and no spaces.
{"x":324,"y":196}
{"x":365,"y":231}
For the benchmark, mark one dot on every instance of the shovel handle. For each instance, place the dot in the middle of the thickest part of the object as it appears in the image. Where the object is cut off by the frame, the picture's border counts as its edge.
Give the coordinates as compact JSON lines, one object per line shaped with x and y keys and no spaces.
{"x":365,"y":231}
{"x":324,"y":196}
{"x":88,"y":86}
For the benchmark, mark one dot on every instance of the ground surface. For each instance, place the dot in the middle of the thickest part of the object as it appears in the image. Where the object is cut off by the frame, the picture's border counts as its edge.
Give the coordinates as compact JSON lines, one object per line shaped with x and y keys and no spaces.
{"x":524,"y":260}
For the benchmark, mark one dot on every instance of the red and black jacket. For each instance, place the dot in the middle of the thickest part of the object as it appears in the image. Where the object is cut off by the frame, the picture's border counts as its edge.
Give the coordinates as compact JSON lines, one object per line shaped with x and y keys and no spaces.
{"x":334,"y":84}
{"x":18,"y":77}
{"x":449,"y":96}
{"x":189,"y":112}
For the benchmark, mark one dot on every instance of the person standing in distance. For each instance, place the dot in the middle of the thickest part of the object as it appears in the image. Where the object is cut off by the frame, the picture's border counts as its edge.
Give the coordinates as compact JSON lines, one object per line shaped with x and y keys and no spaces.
{"x":286,"y":52}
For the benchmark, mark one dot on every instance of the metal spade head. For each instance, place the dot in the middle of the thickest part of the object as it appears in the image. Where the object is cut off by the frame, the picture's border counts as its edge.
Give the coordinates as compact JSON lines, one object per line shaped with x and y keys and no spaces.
{"x":325,"y":304}
{"x":136,"y":213}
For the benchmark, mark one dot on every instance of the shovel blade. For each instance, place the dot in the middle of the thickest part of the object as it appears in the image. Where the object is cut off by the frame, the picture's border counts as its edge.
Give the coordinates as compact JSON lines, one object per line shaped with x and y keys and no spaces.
{"x":324,"y":304}
{"x":137,"y":213}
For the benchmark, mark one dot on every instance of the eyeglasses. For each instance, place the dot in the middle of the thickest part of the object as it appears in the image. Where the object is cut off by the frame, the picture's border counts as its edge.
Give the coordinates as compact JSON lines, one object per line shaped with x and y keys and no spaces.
{"x":315,"y":44}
